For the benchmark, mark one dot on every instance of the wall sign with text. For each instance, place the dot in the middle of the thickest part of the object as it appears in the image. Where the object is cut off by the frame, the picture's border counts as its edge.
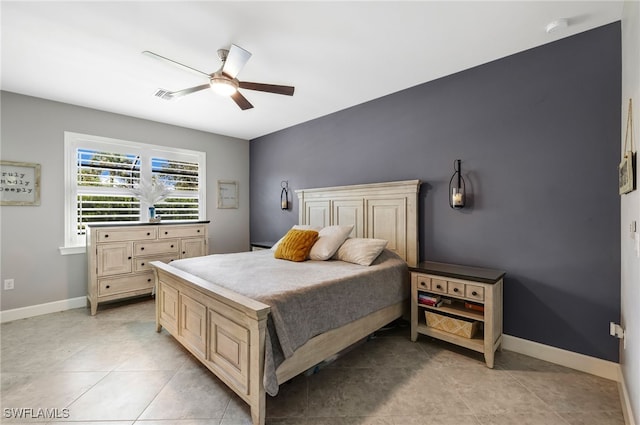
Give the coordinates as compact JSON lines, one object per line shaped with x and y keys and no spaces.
{"x":19,"y":183}
{"x":227,"y":194}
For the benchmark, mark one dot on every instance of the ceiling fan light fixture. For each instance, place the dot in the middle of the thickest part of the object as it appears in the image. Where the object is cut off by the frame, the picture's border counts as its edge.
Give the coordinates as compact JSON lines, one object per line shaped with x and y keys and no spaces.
{"x":223,"y":86}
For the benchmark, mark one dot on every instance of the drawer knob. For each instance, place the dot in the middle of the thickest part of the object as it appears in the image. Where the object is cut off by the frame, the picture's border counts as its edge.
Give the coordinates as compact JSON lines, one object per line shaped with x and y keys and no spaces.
{"x":184,"y":252}
{"x":128,"y":258}
{"x":148,"y":233}
{"x":198,"y":230}
{"x":474,"y":293}
{"x":166,"y":233}
{"x":142,"y":264}
{"x":423,"y":284}
{"x":439,"y":286}
{"x":106,"y":236}
{"x":148,"y":280}
{"x":171,"y":246}
{"x":141,"y":248}
{"x":455,"y":289}
{"x":107,"y":286}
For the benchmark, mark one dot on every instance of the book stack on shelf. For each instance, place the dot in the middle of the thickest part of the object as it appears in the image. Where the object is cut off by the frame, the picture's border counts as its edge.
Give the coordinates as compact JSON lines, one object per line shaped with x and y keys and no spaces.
{"x":475,"y":307}
{"x":429,"y":299}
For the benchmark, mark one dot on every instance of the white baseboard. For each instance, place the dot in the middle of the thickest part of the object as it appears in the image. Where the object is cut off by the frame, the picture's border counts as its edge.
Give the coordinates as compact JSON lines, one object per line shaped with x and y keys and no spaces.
{"x":40,"y":309}
{"x":602,"y":368}
{"x":625,"y":400}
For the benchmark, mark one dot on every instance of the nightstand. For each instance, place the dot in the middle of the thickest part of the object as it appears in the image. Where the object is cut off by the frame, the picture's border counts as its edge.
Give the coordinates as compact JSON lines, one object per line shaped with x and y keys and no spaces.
{"x":256,"y":246}
{"x":458,"y":304}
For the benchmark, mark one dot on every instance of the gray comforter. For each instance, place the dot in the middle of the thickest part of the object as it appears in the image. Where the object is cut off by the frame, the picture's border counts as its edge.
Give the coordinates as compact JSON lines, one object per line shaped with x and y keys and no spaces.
{"x":306,"y":298}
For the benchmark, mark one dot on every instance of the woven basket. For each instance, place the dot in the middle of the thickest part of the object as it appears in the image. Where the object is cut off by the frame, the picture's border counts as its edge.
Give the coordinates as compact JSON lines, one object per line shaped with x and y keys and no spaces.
{"x":452,"y":325}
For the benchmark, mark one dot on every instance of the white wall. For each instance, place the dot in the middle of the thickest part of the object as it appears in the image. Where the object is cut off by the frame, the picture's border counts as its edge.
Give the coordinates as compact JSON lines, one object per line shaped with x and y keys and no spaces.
{"x":630,"y":210}
{"x":33,"y":131}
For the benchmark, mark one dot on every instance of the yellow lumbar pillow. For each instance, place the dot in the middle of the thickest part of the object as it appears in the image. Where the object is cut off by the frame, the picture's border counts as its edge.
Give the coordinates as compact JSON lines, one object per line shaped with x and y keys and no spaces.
{"x":296,"y":245}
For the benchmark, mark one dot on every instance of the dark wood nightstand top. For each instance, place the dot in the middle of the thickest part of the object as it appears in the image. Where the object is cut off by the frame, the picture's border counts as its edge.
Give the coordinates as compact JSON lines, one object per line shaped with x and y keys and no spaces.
{"x":477,"y":274}
{"x":263,"y":244}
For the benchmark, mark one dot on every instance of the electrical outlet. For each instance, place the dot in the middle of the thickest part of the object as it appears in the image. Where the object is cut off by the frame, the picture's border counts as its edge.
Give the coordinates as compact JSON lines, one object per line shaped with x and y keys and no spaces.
{"x":617,"y":331}
{"x":9,"y":284}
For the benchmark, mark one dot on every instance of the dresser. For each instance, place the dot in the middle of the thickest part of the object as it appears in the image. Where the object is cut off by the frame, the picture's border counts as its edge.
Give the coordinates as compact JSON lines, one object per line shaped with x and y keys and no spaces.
{"x":458,"y":304}
{"x":119,"y":256}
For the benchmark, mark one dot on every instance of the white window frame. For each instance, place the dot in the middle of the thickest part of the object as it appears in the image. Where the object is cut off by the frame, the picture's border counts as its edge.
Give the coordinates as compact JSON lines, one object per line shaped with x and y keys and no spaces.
{"x":75,"y":243}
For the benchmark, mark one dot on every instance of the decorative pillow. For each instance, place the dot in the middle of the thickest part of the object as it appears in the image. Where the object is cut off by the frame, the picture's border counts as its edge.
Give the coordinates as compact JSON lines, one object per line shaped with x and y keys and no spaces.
{"x":298,"y":227}
{"x":360,"y":250}
{"x":296,"y":245}
{"x":329,"y":240}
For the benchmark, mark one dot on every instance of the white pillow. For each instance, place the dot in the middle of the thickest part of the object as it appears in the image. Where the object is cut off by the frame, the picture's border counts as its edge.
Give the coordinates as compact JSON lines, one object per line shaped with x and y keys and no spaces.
{"x":360,"y":250}
{"x":299,"y":227}
{"x":329,"y":240}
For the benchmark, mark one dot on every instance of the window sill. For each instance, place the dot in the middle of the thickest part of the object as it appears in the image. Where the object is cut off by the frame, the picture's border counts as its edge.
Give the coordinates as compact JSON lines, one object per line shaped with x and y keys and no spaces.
{"x":71,"y":250}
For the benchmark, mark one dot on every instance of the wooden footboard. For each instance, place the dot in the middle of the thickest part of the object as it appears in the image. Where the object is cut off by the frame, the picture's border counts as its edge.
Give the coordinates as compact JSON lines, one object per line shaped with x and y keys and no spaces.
{"x":226,"y":332}
{"x":222,"y":329}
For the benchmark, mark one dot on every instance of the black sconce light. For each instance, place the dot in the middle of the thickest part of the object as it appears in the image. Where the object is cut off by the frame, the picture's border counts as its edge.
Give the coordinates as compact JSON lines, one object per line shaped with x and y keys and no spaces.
{"x":456,"y":187}
{"x":284,"y":195}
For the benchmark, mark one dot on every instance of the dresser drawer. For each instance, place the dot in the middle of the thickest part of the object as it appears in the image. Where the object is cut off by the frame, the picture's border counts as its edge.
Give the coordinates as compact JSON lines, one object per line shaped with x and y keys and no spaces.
{"x":142,"y":264}
{"x":181,"y":231}
{"x":119,"y":285}
{"x":168,"y":246}
{"x":474,"y":292}
{"x":127,"y":234}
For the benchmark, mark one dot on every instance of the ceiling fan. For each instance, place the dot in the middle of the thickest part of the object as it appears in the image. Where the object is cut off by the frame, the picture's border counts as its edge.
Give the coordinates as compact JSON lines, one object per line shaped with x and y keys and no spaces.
{"x":223,"y":81}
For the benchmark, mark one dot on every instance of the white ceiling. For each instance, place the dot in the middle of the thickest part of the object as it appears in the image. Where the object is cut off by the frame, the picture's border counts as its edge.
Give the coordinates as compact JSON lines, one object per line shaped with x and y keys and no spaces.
{"x":336,"y":54}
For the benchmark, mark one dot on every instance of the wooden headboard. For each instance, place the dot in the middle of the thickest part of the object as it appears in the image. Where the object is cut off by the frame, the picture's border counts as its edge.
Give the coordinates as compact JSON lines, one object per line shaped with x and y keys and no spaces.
{"x":379,"y":210}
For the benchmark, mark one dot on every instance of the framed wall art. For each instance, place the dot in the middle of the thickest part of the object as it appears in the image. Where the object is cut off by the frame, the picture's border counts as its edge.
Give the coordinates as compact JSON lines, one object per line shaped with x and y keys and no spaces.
{"x":227,"y":194}
{"x":626,"y":174}
{"x":627,"y":167}
{"x":19,"y":183}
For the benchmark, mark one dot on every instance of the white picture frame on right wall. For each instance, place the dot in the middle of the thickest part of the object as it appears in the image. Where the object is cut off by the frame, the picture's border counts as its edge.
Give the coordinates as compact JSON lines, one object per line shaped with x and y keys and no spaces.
{"x":627,"y":174}
{"x":627,"y":167}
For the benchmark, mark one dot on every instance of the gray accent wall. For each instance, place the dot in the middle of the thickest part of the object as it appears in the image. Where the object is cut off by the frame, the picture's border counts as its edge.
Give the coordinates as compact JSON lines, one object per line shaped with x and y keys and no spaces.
{"x":538,"y":135}
{"x":33,"y":131}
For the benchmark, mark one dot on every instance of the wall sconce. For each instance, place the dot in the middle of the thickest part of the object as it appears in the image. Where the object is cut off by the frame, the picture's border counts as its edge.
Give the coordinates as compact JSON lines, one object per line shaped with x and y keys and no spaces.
{"x":284,"y":195}
{"x":456,"y":187}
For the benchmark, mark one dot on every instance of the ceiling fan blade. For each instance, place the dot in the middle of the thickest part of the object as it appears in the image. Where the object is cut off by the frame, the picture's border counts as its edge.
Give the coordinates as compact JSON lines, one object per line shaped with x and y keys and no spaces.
{"x":190,"y":90}
{"x":236,"y":60}
{"x":269,"y":88}
{"x":241,"y":101}
{"x":162,"y":58}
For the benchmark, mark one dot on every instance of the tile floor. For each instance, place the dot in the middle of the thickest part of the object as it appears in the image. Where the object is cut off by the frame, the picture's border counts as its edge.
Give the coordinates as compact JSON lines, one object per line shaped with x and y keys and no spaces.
{"x":114,"y":369}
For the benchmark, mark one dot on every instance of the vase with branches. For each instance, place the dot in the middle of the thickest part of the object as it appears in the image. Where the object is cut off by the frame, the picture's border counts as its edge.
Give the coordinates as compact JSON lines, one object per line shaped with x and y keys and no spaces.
{"x":150,"y":193}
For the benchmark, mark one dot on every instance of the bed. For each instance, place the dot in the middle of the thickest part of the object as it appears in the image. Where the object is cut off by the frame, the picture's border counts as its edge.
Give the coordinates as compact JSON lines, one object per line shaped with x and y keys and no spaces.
{"x":237,"y":332}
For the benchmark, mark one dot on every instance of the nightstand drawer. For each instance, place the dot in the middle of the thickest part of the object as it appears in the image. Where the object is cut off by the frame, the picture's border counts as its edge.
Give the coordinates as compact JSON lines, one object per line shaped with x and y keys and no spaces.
{"x":439,"y":285}
{"x":423,"y":282}
{"x":474,"y":292}
{"x":455,"y":288}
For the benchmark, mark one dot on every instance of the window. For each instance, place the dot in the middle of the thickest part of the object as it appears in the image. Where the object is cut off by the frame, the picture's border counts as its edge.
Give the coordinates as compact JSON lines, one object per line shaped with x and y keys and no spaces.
{"x":100,"y":173}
